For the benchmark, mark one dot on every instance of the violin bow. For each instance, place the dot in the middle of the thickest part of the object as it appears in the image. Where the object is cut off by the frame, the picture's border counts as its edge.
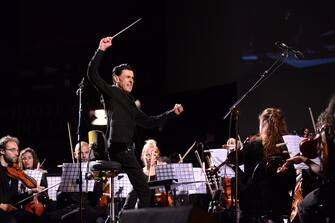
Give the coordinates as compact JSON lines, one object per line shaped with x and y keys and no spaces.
{"x":204,"y":172}
{"x":151,"y":162}
{"x":181,"y":158}
{"x":312,"y":118}
{"x":34,"y":194}
{"x":40,"y":164}
{"x":70,"y":138}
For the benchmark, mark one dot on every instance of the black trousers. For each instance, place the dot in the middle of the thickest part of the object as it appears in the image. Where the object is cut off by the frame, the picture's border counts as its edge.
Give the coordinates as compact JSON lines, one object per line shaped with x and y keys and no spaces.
{"x":125,"y":154}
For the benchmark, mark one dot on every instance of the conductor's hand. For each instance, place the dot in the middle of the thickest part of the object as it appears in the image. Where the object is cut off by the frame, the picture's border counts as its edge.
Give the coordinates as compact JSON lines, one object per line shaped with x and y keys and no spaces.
{"x":178,"y":108}
{"x":105,"y":43}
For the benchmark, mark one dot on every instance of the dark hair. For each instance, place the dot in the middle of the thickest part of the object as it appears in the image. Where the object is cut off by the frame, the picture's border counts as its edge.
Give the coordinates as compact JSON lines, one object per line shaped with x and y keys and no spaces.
{"x":33,"y":153}
{"x":327,"y":117}
{"x":117,"y":70}
{"x":164,"y":159}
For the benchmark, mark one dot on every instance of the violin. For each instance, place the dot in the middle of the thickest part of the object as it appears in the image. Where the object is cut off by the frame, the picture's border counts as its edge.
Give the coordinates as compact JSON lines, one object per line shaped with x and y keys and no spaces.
{"x":227,"y":192}
{"x":161,"y":199}
{"x":14,"y":171}
{"x":34,"y":206}
{"x":105,"y":195}
{"x":297,"y":198}
{"x":309,"y":145}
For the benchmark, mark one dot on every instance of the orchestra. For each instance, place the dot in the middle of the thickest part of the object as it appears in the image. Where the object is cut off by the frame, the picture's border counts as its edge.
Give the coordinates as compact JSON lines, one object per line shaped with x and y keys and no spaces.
{"x":269,"y":185}
{"x":259,"y":179}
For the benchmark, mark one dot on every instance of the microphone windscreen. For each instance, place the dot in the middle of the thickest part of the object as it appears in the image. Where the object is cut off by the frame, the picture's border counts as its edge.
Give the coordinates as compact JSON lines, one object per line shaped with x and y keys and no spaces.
{"x":92,"y":137}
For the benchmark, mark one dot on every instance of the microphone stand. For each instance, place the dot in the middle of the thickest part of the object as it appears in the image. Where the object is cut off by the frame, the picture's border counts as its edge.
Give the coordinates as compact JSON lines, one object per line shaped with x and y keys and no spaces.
{"x":79,"y":93}
{"x":235,"y":115}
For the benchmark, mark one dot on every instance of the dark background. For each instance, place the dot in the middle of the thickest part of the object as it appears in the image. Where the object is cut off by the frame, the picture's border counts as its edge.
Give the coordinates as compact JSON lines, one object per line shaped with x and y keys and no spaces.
{"x":185,"y":52}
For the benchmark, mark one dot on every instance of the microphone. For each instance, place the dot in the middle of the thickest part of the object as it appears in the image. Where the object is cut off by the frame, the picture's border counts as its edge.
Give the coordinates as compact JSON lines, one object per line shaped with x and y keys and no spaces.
{"x":298,"y":54}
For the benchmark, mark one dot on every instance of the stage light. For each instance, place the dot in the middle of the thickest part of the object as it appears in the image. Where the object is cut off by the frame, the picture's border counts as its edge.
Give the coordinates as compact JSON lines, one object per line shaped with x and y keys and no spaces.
{"x":100,"y":117}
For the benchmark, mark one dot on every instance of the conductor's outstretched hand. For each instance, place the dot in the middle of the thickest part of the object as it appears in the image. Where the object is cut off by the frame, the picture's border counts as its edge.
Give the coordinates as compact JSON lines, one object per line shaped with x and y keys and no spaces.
{"x":105,"y":43}
{"x":178,"y":108}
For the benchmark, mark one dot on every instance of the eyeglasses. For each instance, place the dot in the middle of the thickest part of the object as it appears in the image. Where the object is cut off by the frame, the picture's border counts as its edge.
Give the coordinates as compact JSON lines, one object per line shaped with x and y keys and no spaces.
{"x":13,"y":150}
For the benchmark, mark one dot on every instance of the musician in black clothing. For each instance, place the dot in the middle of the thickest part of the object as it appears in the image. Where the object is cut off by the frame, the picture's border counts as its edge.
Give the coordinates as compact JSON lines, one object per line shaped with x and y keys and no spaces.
{"x":263,"y":189}
{"x":123,"y":115}
{"x":68,"y":203}
{"x":316,"y":205}
{"x":9,"y":195}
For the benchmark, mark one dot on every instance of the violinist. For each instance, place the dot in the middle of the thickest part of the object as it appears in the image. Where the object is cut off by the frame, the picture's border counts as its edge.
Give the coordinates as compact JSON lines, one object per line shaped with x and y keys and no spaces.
{"x":263,"y":192}
{"x":9,"y":194}
{"x":315,"y":206}
{"x":28,"y":160}
{"x":150,"y":157}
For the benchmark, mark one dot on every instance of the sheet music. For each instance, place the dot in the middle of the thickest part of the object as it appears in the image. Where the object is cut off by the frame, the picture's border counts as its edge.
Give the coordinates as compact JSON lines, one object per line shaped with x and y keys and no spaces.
{"x":218,"y":156}
{"x":70,"y":178}
{"x":183,"y":172}
{"x":122,"y":185}
{"x":293,"y":146}
{"x":200,"y":188}
{"x":52,"y":192}
{"x":36,"y":174}
{"x":292,"y":143}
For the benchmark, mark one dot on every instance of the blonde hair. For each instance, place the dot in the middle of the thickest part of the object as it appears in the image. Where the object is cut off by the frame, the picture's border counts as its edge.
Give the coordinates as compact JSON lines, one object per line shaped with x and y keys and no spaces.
{"x":150,"y":143}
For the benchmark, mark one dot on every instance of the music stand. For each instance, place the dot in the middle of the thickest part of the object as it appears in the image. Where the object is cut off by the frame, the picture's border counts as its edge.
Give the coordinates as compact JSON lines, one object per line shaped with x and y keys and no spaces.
{"x":182,"y":172}
{"x":200,"y":188}
{"x":219,"y":157}
{"x":52,"y":180}
{"x":122,"y":185}
{"x":70,"y":178}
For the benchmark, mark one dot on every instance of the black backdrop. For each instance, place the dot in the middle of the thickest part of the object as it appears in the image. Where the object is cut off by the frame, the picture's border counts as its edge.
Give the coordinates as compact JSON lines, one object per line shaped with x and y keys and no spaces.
{"x":183,"y":51}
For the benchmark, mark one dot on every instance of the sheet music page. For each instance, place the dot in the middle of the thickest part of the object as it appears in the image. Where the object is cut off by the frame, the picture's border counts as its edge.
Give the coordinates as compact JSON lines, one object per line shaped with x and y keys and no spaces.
{"x":200,"y":188}
{"x":183,"y":172}
{"x":36,"y":174}
{"x":218,"y":156}
{"x":52,"y":192}
{"x":292,"y":143}
{"x":122,"y":185}
{"x":293,"y":146}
